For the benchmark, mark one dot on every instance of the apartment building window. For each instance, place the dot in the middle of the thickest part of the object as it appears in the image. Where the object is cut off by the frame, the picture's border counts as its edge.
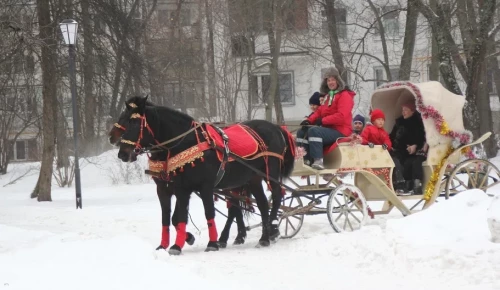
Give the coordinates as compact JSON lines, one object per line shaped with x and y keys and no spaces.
{"x":241,"y":46}
{"x":262,"y":84}
{"x":390,"y":20}
{"x":380,"y":76}
{"x":341,"y":21}
{"x":166,"y":18}
{"x":23,"y":150}
{"x":175,"y":97}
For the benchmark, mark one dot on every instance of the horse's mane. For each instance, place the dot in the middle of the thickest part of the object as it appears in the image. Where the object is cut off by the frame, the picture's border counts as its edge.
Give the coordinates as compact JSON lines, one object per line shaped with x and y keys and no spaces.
{"x":167,"y":110}
{"x":137,"y":99}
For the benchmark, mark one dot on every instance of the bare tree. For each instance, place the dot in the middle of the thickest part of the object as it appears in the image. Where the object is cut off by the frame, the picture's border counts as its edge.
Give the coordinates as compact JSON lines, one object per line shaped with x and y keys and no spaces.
{"x":475,"y":31}
{"x":47,"y":29}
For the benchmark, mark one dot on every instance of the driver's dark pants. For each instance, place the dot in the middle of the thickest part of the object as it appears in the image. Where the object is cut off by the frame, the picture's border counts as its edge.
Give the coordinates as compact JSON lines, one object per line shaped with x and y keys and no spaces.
{"x":314,"y":139}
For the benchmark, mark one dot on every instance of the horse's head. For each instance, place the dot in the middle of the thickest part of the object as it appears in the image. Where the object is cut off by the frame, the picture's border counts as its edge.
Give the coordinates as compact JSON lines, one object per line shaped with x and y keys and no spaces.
{"x":116,"y":132}
{"x":132,"y":130}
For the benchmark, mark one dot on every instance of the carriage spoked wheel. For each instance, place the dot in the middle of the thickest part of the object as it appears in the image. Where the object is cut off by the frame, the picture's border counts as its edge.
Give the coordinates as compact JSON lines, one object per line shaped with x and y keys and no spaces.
{"x":346,"y":208}
{"x":470,"y":174}
{"x":291,"y":215}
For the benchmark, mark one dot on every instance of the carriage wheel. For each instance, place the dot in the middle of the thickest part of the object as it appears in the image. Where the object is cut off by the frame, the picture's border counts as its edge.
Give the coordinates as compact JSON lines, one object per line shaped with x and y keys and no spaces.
{"x":290,"y":215}
{"x":346,"y":208}
{"x":470,"y":174}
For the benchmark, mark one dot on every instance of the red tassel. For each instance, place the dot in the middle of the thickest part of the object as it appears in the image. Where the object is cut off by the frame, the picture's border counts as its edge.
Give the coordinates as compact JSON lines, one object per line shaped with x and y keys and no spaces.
{"x":182,"y":169}
{"x":175,"y":173}
{"x":192,"y":164}
{"x":202,"y":159}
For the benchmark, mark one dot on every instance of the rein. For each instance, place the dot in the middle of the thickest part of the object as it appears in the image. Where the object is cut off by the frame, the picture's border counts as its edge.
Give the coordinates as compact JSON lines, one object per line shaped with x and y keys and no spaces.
{"x":144,"y":124}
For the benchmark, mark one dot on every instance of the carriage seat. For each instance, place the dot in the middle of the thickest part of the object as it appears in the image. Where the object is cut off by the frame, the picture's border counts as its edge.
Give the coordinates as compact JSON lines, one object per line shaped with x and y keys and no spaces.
{"x":436,"y":153}
{"x":344,"y":155}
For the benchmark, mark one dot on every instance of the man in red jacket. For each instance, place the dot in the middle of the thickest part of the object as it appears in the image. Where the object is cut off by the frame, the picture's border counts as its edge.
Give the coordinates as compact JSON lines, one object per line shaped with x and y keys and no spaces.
{"x":332,"y":119}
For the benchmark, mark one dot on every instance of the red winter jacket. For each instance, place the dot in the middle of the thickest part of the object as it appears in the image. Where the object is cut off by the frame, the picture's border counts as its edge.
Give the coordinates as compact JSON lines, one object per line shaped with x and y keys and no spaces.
{"x":338,"y":115}
{"x":377,"y":136}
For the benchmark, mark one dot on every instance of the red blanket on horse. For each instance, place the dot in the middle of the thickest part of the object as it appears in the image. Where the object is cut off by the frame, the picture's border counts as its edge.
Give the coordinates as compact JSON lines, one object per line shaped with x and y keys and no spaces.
{"x":241,"y":142}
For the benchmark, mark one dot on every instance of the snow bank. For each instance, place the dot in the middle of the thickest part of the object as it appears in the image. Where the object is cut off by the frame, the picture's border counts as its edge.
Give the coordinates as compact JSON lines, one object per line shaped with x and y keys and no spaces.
{"x":123,"y":262}
{"x":494,"y":219}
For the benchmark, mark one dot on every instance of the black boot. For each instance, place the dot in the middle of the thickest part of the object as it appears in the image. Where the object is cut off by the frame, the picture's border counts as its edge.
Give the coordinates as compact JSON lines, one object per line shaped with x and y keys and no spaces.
{"x":417,"y":187}
{"x":408,"y":185}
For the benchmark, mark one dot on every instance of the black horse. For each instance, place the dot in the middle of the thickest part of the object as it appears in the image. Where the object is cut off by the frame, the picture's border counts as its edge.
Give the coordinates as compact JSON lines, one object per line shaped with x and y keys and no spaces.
{"x":175,"y":133}
{"x":163,"y":191}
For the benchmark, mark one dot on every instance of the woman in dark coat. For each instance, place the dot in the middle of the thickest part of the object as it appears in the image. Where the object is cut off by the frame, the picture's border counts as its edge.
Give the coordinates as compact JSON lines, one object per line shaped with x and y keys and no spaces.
{"x":409,"y":148}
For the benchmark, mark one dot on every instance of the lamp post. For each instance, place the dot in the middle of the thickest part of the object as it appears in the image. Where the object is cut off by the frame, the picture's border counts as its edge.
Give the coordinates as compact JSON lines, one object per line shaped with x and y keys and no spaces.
{"x":69,"y":28}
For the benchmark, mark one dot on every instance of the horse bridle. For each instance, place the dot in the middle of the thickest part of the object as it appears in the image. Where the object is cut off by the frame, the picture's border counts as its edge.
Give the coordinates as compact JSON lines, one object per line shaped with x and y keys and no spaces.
{"x":144,"y":124}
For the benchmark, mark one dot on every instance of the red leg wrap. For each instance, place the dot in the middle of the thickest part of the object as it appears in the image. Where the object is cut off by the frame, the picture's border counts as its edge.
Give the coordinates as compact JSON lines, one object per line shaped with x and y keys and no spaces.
{"x":212,"y":230}
{"x":181,"y":235}
{"x":165,"y":237}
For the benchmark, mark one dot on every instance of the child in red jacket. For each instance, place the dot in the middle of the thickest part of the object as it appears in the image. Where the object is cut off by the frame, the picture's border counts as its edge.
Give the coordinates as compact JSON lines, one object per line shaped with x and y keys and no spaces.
{"x":376,"y":135}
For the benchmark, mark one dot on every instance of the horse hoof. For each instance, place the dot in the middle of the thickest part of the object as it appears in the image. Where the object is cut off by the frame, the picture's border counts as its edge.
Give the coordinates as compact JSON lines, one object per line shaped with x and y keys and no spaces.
{"x":222,"y":245}
{"x":190,"y":239}
{"x":275,"y":236}
{"x":263,"y":243}
{"x":239,"y":241}
{"x":212,"y":247}
{"x":160,"y":247}
{"x":175,"y":250}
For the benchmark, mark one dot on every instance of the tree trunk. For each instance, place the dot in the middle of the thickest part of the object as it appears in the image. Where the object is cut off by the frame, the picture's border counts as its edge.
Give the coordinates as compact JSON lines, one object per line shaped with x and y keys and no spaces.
{"x":90,"y":102}
{"x":409,"y":42}
{"x":443,"y":46}
{"x":212,"y":99}
{"x":485,"y":115}
{"x":269,"y":23}
{"x":477,"y":65}
{"x":48,"y":59}
{"x":334,"y":38}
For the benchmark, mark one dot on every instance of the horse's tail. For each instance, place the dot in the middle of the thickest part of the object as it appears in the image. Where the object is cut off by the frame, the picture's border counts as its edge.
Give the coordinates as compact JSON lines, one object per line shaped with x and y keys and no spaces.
{"x":289,"y":158}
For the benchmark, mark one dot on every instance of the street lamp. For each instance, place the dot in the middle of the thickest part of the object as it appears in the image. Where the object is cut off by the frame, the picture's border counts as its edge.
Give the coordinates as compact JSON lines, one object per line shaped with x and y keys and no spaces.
{"x":69,"y":28}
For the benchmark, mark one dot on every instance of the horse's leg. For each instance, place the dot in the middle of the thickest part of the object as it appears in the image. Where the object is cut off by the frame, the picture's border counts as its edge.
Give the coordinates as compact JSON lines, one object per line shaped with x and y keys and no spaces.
{"x":165,"y":200}
{"x":181,"y":208}
{"x":207,"y":196}
{"x":277,"y":197}
{"x":255,"y":187}
{"x":242,"y":231}
{"x":175,"y":221}
{"x":224,"y":235}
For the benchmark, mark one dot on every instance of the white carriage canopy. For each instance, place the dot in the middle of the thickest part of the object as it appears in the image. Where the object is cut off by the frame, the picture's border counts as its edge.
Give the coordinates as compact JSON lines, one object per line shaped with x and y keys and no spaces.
{"x":391,"y":96}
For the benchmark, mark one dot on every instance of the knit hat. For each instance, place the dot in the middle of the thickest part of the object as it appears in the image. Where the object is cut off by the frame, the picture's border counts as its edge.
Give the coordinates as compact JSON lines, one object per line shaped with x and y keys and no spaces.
{"x":359,"y":118}
{"x":314,"y":99}
{"x":376,"y":114}
{"x":331,"y":72}
{"x":410,"y":105}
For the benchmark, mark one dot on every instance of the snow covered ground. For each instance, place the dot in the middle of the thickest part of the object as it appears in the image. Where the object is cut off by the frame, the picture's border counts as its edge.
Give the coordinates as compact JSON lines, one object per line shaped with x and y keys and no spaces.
{"x":110,"y":243}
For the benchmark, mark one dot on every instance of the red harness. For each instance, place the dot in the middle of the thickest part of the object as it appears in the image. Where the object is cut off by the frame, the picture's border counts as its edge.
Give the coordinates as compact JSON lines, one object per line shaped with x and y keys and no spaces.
{"x":188,"y":156}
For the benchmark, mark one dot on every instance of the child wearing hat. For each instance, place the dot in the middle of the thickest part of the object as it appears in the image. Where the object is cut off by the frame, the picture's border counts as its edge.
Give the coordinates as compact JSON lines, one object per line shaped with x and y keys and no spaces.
{"x":314,"y":102}
{"x":358,"y":124}
{"x":376,"y":135}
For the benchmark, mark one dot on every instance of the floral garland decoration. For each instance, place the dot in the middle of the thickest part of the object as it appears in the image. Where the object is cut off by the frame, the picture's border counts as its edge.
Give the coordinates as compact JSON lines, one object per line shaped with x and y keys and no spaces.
{"x":442,"y":127}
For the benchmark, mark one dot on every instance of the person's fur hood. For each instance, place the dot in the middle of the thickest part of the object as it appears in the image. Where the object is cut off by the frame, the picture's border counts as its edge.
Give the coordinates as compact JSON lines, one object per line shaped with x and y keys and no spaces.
{"x":331,"y":72}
